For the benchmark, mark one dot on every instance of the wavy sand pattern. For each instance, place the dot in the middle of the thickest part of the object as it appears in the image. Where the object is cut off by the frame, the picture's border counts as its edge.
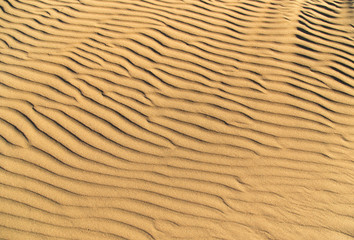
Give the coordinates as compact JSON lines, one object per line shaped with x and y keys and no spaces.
{"x":177,"y":119}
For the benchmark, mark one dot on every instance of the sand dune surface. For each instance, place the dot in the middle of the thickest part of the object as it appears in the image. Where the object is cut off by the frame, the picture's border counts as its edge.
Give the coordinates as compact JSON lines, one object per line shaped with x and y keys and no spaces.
{"x":177,"y":119}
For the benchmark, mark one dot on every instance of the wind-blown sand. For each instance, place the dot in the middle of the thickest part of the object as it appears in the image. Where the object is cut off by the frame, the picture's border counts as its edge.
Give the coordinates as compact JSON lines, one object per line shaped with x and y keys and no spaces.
{"x":177,"y":119}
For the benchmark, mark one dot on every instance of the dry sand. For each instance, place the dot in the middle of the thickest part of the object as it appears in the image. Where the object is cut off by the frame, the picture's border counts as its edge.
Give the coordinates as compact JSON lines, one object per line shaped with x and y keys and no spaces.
{"x":177,"y":119}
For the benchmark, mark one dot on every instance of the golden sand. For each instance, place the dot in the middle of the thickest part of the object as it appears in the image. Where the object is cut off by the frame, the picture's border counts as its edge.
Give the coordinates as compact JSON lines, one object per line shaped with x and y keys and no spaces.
{"x":177,"y":119}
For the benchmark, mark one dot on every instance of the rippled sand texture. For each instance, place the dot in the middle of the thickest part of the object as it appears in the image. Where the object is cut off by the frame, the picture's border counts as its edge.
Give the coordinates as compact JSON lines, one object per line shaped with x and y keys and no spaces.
{"x":177,"y":119}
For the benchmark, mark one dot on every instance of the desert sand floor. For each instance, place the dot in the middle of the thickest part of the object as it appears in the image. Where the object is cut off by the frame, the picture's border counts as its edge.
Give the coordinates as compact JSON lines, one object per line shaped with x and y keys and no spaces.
{"x":177,"y":119}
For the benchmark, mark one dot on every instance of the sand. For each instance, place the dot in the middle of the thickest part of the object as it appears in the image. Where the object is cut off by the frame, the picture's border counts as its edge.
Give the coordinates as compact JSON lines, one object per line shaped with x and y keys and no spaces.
{"x":177,"y":119}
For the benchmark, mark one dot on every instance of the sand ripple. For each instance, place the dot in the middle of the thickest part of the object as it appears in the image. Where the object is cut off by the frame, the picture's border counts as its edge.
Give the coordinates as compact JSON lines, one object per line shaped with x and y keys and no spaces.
{"x":176,"y":119}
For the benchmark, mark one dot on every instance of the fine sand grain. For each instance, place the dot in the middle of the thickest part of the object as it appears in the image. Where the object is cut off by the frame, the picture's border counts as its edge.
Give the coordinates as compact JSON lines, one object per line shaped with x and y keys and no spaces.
{"x":177,"y":119}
